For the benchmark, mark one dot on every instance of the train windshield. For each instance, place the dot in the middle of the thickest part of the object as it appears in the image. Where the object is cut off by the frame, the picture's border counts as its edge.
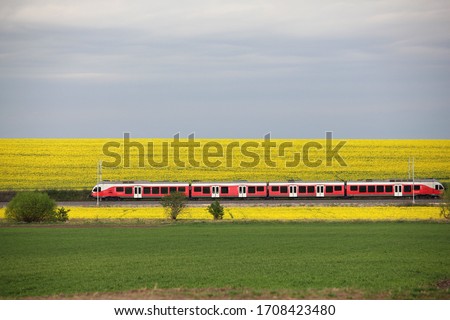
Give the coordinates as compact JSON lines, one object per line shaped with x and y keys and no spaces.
{"x":438,"y":187}
{"x":95,"y":189}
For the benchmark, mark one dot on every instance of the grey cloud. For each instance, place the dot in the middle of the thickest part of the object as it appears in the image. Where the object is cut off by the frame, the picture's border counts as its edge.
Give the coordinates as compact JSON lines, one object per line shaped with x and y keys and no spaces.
{"x":296,"y":68}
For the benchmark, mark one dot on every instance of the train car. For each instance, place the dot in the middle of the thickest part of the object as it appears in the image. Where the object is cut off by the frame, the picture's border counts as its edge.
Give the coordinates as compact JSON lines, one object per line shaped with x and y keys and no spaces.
{"x":236,"y":189}
{"x":116,"y":190}
{"x":306,"y":189}
{"x":394,"y":188}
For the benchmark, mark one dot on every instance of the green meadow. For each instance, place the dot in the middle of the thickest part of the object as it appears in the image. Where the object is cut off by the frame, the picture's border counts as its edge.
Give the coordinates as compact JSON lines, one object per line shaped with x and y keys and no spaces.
{"x":387,"y":259}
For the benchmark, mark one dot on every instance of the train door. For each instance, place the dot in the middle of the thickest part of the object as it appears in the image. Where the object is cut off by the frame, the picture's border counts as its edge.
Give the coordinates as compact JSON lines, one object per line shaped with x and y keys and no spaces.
{"x":320,"y":191}
{"x":292,"y":191}
{"x":137,"y":191}
{"x":242,"y":191}
{"x":398,"y":190}
{"x":215,"y":192}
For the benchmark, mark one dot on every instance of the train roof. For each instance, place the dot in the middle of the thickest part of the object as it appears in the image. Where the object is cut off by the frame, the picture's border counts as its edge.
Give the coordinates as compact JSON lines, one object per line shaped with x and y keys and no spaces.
{"x":228,"y":182}
{"x":305,"y":182}
{"x":393,"y":180}
{"x":143,"y":182}
{"x":134,"y":182}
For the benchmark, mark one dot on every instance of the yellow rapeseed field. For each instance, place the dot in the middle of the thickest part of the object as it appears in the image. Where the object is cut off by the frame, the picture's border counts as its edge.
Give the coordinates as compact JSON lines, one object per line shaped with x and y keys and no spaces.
{"x":262,"y":213}
{"x":72,"y":163}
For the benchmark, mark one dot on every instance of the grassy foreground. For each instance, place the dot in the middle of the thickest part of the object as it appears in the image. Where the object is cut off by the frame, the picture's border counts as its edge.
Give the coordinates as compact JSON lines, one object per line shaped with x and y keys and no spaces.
{"x":394,"y":259}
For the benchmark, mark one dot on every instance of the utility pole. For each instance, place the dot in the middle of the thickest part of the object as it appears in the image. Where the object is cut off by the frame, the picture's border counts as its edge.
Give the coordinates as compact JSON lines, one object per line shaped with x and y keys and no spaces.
{"x":414,"y":199}
{"x":99,"y":179}
{"x":409,"y":168}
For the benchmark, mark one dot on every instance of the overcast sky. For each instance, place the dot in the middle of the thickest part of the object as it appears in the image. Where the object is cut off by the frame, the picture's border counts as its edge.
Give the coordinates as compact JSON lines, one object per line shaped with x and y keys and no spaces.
{"x":231,"y":68}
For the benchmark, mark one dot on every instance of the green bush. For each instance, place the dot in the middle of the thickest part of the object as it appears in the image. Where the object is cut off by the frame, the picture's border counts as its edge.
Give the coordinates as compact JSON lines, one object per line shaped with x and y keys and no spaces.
{"x":174,"y":204}
{"x":34,"y":207}
{"x":61,"y":214}
{"x":216,"y":210}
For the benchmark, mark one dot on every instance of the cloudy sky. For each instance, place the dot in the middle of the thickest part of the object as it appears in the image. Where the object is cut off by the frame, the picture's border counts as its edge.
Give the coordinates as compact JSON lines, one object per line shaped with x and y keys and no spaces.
{"x":225,"y":68}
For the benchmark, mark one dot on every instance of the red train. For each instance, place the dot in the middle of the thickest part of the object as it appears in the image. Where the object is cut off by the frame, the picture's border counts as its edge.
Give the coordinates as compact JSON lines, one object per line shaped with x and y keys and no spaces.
{"x":116,"y":190}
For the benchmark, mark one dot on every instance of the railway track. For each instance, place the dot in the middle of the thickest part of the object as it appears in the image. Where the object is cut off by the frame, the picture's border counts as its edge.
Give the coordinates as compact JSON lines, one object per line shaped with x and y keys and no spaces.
{"x":259,"y":203}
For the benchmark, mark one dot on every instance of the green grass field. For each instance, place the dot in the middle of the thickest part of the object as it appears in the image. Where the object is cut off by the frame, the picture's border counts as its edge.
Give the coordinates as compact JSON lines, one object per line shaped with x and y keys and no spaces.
{"x":396,"y":259}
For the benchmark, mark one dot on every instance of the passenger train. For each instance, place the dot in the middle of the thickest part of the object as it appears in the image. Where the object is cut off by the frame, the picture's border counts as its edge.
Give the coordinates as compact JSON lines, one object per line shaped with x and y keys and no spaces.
{"x":119,"y":190}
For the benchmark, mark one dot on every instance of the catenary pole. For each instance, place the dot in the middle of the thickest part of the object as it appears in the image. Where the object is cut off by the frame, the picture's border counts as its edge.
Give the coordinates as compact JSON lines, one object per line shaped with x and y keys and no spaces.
{"x":99,"y":179}
{"x":413,"y":199}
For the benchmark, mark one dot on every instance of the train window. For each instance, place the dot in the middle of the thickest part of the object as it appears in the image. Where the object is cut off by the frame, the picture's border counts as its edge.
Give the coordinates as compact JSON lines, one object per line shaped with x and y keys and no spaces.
{"x":181,"y":189}
{"x":224,"y":190}
{"x":206,"y":190}
{"x":164,"y":190}
{"x":128,"y":190}
{"x":260,"y":189}
{"x":283,"y":189}
{"x":310,"y":189}
{"x":380,"y":188}
{"x":155,"y":190}
{"x":302,"y":189}
{"x":353,"y":188}
{"x":406,"y":188}
{"x":277,"y":188}
{"x":173,"y":189}
{"x":388,"y":189}
{"x":251,"y":189}
{"x":416,"y":188}
{"x":197,"y":189}
{"x":362,"y":188}
{"x":337,"y":188}
{"x":329,"y":189}
{"x":146,"y":190}
{"x":371,"y":188}
{"x":119,"y":189}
